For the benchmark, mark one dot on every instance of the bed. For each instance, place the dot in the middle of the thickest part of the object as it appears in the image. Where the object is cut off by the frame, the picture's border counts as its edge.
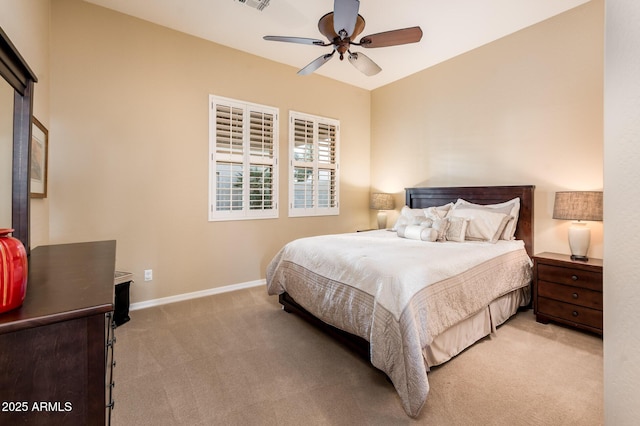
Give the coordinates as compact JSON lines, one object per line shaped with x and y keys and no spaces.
{"x":375,"y":292}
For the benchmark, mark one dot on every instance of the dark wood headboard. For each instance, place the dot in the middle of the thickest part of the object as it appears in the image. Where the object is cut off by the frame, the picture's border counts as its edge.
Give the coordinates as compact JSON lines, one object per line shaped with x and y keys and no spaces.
{"x":427,"y":197}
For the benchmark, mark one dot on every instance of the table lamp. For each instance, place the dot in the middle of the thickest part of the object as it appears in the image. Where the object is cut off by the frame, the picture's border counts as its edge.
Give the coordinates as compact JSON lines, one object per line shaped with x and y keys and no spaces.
{"x":381,"y":202}
{"x":578,"y":206}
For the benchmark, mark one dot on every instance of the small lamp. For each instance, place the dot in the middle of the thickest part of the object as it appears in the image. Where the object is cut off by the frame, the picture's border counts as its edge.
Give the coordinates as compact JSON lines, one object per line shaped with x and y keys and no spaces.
{"x":578,"y":206}
{"x":381,"y":202}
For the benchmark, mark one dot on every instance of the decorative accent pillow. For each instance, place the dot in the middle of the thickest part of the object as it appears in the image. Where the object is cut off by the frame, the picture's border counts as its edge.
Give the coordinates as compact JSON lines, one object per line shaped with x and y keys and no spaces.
{"x":456,"y":231}
{"x":511,"y":208}
{"x":438,"y":212}
{"x":441,"y":226}
{"x":427,"y":222}
{"x":409,"y":216}
{"x":484,"y":225}
{"x":417,"y":232}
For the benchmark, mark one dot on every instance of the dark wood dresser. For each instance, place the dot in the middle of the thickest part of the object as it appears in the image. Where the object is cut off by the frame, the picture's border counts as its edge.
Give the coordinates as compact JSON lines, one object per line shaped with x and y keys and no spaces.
{"x":56,"y":351}
{"x":568,"y":292}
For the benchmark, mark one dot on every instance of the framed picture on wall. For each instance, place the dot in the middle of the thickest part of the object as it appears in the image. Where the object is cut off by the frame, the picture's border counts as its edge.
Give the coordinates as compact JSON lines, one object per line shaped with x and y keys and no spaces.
{"x":39,"y":159}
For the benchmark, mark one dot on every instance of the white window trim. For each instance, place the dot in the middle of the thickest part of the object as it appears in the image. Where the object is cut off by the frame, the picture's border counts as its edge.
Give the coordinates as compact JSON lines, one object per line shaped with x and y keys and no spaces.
{"x":315,"y":210}
{"x":246,"y":159}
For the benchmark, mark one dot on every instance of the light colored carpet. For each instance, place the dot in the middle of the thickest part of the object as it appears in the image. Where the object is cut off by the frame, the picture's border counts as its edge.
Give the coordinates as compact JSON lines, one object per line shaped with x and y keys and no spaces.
{"x":238,"y":359}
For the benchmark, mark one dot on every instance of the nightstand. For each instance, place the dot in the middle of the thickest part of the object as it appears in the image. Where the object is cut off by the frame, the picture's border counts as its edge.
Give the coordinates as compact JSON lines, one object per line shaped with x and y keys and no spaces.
{"x":568,"y":292}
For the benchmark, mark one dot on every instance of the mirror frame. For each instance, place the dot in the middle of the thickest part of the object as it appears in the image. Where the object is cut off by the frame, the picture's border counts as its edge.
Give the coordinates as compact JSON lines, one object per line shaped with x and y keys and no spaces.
{"x":17,"y":73}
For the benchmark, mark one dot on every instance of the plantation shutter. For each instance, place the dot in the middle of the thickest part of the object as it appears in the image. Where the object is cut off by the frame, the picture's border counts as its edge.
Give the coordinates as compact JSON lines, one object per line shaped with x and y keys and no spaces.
{"x":261,"y":160}
{"x":229,"y":157}
{"x":327,"y":184}
{"x":303,"y":162}
{"x":243,"y":172}
{"x":313,"y":143}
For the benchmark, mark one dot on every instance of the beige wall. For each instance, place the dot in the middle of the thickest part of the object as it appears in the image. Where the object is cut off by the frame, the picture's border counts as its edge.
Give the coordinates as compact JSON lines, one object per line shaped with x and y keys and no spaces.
{"x":26,"y":23}
{"x":526,"y":109}
{"x":621,"y":206}
{"x":129,"y":125}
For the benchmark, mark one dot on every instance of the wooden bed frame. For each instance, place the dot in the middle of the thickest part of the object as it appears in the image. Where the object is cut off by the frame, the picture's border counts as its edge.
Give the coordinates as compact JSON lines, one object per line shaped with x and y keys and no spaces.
{"x":427,"y":197}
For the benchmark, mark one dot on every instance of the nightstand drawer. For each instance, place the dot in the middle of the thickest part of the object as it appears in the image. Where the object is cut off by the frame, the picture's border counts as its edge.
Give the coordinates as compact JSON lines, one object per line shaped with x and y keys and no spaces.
{"x":570,"y":276}
{"x":569,"y":294}
{"x":577,"y":315}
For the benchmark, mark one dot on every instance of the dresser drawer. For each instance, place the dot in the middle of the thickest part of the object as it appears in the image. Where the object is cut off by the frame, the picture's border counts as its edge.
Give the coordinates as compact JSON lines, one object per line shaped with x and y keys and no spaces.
{"x":575,"y":315}
{"x":570,"y":276}
{"x":569,"y":294}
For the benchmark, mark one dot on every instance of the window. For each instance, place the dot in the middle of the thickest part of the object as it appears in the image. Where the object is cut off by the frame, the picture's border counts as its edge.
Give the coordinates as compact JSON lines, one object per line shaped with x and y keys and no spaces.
{"x":314,"y":166}
{"x":243,"y":155}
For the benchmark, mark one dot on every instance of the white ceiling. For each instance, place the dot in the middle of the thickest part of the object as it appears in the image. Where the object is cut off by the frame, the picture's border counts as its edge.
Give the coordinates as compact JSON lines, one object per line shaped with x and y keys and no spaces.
{"x":450,"y":27}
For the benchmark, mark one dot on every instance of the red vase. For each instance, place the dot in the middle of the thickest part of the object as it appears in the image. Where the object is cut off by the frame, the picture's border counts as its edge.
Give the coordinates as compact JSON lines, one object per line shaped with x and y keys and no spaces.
{"x":13,"y":271}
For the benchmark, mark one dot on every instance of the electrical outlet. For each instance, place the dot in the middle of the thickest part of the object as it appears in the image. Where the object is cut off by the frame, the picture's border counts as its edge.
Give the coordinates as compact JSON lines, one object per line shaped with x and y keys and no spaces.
{"x":148,"y":274}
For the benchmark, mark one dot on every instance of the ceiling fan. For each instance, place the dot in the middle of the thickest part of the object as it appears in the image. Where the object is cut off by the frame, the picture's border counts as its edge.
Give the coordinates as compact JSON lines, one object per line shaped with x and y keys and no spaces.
{"x":341,"y":27}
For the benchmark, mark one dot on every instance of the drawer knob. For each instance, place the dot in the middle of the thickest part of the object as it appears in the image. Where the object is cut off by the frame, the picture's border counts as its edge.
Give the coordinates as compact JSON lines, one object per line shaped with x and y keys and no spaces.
{"x":574,"y":313}
{"x":574,"y":277}
{"x":574,"y":295}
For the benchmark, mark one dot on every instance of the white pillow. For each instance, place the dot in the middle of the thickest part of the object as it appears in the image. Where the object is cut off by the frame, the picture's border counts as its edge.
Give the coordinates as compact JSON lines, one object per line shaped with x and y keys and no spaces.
{"x":441,"y":226}
{"x":409,"y":216}
{"x":417,"y":232}
{"x":511,"y":207}
{"x":484,"y":225}
{"x":457,"y":229}
{"x":437,"y":212}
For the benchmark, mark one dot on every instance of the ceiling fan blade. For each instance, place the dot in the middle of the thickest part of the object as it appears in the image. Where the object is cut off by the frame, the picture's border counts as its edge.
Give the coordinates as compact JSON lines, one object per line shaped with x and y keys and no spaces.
{"x":345,"y":14}
{"x":392,"y":38}
{"x":315,"y":64}
{"x":364,"y":64}
{"x":300,"y":40}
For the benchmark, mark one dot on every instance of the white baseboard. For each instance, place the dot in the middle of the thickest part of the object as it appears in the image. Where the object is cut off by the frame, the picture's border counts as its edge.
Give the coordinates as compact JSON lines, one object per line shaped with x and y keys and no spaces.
{"x":195,"y":294}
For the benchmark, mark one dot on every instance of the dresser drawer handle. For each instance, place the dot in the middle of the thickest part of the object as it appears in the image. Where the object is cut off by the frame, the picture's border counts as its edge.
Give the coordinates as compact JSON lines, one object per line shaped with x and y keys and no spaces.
{"x":574,"y":313}
{"x":574,"y":295}
{"x":574,"y":277}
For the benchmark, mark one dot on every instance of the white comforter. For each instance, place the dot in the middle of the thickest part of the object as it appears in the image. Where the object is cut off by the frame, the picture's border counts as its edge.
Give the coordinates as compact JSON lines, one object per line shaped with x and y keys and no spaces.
{"x":397,"y":293}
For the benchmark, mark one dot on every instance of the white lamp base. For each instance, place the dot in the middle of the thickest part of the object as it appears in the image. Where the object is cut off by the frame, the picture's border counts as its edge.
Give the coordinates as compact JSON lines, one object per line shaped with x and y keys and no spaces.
{"x":579,"y":239}
{"x":382,"y":220}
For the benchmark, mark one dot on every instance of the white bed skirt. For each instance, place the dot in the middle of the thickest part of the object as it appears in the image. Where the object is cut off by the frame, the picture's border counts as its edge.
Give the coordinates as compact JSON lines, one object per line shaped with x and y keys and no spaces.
{"x":464,"y":334}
